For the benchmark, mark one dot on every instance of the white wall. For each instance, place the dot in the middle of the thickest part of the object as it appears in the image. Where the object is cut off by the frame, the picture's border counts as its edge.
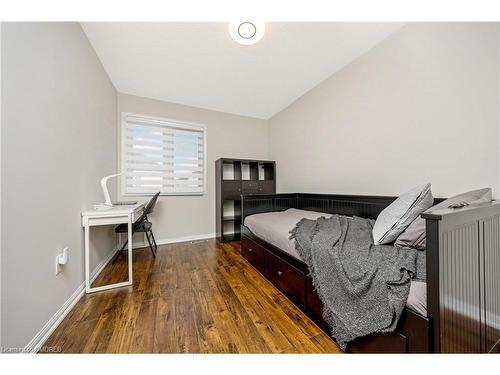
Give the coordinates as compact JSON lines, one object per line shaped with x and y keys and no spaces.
{"x":421,"y":106}
{"x":178,"y":217}
{"x":58,"y":140}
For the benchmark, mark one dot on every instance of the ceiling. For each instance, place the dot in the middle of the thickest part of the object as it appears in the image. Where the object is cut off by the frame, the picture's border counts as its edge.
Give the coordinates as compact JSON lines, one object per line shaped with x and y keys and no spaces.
{"x":198,"y":64}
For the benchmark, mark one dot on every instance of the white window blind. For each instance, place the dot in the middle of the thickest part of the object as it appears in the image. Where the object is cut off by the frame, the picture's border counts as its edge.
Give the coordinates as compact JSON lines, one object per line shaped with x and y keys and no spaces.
{"x":162,"y":155}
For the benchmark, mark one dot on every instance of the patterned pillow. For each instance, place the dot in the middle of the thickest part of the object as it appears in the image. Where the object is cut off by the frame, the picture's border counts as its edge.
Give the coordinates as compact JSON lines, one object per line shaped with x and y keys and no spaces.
{"x":414,"y":235}
{"x":394,"y":219}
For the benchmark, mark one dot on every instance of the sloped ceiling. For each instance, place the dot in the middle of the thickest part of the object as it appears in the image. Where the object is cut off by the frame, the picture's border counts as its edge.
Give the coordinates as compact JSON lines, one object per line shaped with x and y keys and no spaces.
{"x":198,"y":64}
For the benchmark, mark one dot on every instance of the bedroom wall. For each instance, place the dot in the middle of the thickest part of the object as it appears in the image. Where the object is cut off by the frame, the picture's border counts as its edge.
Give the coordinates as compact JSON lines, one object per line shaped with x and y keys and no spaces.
{"x":58,"y":139}
{"x":421,"y":106}
{"x":187,"y":217}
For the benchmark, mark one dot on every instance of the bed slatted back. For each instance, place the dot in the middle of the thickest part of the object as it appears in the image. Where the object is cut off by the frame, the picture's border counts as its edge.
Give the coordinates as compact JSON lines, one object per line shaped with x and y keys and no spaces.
{"x":352,"y":205}
{"x":256,"y":204}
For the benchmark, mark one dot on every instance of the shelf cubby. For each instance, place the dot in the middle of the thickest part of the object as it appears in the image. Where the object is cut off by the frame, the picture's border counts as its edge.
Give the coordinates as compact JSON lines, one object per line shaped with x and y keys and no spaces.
{"x":231,"y":170}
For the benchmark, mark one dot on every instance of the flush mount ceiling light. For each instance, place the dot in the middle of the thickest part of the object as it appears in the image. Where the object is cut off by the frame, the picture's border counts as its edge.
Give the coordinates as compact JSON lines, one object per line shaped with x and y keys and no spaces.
{"x":247,"y":32}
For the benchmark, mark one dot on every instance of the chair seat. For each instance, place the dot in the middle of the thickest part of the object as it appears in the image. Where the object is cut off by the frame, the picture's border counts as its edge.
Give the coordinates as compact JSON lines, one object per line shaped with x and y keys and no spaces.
{"x":139,"y":227}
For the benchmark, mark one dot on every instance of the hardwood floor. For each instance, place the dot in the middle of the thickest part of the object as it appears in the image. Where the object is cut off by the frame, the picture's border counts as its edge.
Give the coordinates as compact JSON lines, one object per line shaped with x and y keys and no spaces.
{"x":193,"y":298}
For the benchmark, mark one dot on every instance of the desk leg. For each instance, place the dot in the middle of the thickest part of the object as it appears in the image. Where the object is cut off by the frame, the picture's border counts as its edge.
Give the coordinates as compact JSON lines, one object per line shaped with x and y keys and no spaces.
{"x":130,"y":272}
{"x":87,"y":257}
{"x":129,"y":282}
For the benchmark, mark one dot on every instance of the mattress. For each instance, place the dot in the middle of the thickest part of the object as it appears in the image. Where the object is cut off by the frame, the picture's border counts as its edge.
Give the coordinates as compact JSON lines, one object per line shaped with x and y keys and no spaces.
{"x":275,"y":227}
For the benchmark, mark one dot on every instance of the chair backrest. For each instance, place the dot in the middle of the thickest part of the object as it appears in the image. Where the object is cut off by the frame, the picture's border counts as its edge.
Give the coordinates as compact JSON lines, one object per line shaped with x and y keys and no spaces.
{"x":149,"y":207}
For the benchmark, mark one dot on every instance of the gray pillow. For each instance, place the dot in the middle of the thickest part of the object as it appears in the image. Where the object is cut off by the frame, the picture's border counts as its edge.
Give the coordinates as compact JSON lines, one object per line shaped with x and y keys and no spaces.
{"x":414,"y":235}
{"x":394,"y":219}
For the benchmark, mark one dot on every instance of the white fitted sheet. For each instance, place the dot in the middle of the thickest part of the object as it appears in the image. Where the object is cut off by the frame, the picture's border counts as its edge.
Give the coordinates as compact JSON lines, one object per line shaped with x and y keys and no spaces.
{"x":275,"y":227}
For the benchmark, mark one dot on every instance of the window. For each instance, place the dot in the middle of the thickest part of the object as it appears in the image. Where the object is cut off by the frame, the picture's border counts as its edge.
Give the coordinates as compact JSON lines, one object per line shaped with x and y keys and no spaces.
{"x":162,"y":155}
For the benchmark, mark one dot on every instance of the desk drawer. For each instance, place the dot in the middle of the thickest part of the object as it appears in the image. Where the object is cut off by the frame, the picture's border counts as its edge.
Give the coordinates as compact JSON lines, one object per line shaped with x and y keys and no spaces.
{"x":253,"y":253}
{"x":287,"y":278}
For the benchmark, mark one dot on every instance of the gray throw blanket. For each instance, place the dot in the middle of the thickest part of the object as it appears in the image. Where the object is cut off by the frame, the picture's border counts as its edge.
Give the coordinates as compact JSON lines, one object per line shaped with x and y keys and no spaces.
{"x":363,"y":287}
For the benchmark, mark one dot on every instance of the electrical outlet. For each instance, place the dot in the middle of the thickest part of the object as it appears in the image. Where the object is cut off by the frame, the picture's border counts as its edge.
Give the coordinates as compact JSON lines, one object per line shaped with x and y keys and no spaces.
{"x":61,"y":259}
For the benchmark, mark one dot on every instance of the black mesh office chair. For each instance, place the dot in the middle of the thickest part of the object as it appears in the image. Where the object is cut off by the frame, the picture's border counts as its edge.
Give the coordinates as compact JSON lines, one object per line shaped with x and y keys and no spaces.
{"x":142,"y":225}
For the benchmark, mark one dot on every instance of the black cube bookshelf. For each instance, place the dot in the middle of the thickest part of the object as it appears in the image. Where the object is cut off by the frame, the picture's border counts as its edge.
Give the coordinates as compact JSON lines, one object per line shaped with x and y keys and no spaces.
{"x":234,"y":177}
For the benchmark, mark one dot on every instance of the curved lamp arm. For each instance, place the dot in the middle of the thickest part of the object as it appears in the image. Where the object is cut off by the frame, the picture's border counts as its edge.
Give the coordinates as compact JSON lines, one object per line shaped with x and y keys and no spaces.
{"x":104,"y":187}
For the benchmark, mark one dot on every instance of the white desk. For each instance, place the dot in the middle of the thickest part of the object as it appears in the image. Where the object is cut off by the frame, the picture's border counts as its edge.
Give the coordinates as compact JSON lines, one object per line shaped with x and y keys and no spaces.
{"x":113,"y":216}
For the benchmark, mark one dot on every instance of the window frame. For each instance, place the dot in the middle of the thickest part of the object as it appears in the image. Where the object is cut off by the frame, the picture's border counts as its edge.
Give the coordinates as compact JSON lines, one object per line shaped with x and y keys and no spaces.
{"x":185,"y":124}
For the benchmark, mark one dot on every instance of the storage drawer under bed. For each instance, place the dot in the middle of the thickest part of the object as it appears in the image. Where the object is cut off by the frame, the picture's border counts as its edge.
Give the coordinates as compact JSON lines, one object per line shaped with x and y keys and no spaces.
{"x":254,"y":254}
{"x":288,"y":279}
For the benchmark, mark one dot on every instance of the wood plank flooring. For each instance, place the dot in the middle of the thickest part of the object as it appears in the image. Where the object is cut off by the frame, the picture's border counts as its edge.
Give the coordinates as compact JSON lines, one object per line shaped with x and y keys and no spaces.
{"x":198,"y":297}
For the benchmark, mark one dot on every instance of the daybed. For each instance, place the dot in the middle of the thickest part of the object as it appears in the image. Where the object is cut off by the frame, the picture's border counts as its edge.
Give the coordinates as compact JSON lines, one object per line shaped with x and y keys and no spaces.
{"x":460,"y":311}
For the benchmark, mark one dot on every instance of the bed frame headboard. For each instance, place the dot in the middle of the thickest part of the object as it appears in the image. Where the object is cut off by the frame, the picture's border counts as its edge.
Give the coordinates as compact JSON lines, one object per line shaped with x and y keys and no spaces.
{"x":463,"y":263}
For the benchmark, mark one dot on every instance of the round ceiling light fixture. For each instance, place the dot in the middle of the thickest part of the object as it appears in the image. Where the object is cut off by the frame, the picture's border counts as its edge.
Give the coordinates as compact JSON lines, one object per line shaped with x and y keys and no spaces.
{"x":247,"y":32}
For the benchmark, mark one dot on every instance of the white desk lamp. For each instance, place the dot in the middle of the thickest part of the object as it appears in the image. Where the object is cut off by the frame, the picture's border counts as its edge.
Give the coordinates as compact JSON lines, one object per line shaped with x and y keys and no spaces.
{"x":104,"y":186}
{"x":107,"y":199}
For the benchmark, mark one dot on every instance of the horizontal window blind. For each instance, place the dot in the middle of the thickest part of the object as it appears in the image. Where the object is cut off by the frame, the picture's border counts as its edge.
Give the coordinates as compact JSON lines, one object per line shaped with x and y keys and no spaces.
{"x":162,"y":155}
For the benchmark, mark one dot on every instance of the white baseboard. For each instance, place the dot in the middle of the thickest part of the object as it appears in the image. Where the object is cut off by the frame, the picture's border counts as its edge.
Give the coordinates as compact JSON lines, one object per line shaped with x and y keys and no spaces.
{"x":37,"y":342}
{"x":166,"y":241}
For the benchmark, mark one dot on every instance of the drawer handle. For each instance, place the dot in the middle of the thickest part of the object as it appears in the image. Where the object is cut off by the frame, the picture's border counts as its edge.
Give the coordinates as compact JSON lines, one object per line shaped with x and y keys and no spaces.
{"x":280,"y":273}
{"x":250,"y":250}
